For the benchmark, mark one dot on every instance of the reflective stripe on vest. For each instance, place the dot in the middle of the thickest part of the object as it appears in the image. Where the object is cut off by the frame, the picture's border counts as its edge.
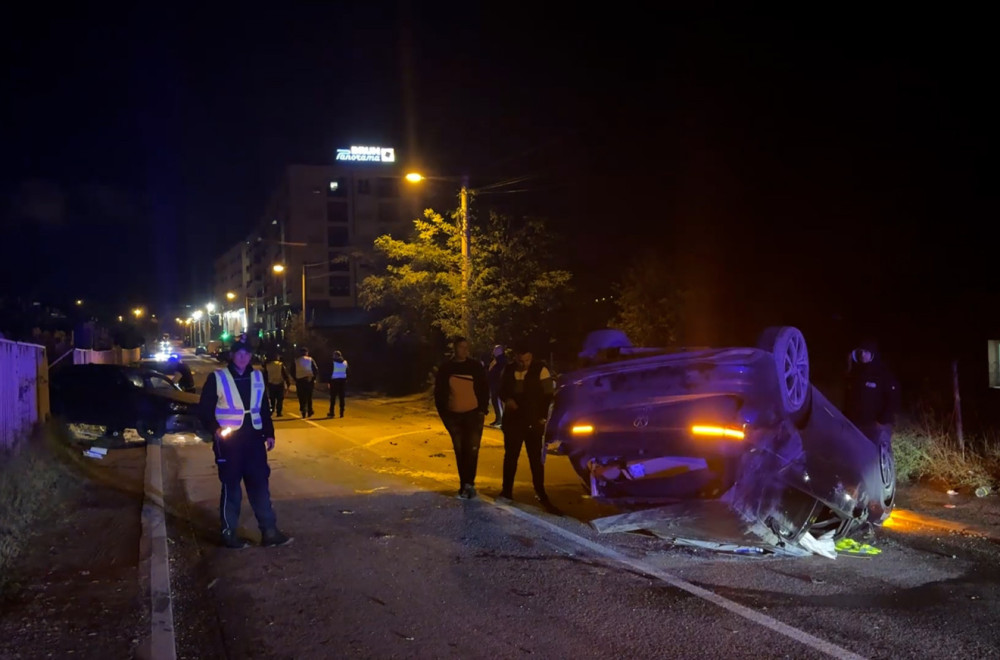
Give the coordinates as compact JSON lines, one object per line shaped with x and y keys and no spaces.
{"x":339,"y":370}
{"x":228,"y":412}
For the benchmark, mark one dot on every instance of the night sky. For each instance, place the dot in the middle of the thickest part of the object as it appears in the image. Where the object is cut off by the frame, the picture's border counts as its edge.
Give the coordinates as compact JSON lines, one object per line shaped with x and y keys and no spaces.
{"x":827,"y":165}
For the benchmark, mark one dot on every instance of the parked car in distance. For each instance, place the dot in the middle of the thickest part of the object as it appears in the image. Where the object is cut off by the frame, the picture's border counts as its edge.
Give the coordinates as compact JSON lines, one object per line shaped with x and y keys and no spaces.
{"x":120,"y":397}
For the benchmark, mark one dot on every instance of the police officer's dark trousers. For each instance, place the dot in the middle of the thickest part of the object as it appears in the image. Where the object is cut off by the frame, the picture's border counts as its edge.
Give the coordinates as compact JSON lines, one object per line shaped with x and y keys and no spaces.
{"x":276,"y":396}
{"x":337,"y":386}
{"x":242,"y":457}
{"x":304,"y":388}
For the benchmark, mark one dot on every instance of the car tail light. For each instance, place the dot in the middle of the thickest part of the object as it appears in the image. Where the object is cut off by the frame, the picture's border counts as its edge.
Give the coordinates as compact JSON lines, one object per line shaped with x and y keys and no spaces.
{"x":718,"y":431}
{"x":581,"y":429}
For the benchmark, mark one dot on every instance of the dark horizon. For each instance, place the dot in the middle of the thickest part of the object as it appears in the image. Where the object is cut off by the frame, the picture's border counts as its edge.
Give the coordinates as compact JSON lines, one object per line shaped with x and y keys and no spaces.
{"x":794,"y":169}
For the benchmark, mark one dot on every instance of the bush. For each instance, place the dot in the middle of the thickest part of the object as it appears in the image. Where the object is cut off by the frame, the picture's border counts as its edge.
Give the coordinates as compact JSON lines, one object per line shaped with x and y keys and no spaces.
{"x":29,"y":476}
{"x":927,"y":452}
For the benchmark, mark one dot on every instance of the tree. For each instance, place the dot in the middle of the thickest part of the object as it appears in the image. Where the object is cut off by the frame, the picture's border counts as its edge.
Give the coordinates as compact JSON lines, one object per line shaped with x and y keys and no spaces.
{"x":651,"y":301}
{"x":512,"y":292}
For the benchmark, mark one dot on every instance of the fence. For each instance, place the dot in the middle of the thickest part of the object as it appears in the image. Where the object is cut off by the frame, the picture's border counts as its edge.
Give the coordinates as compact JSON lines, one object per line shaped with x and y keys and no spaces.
{"x":117,"y":355}
{"x":24,"y":390}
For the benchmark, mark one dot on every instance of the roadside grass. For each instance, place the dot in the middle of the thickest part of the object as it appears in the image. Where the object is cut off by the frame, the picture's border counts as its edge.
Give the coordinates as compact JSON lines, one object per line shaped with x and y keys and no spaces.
{"x":926,"y":452}
{"x":36,"y":480}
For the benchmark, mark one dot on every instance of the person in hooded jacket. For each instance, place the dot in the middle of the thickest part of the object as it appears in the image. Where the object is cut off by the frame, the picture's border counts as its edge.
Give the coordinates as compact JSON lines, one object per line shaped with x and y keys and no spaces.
{"x":871,"y":398}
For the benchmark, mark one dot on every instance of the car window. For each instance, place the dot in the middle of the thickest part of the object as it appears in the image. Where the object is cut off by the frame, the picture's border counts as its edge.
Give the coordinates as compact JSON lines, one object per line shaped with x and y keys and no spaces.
{"x":160,"y":383}
{"x":135,"y":379}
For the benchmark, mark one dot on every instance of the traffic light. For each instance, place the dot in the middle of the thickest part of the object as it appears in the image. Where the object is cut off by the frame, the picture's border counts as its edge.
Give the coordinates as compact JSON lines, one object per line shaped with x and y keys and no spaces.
{"x":225,"y":336}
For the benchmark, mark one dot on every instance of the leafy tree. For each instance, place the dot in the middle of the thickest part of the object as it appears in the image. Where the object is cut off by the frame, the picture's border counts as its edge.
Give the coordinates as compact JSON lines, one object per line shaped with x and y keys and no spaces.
{"x":512,"y":292}
{"x":650,"y":302}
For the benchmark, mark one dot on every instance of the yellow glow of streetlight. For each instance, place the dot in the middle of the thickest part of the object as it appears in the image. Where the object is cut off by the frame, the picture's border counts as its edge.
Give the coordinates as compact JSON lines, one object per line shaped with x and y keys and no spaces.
{"x":137,"y":311}
{"x":278,"y":268}
{"x":230,"y":295}
{"x":197,"y":314}
{"x":414,"y":177}
{"x":79,"y":302}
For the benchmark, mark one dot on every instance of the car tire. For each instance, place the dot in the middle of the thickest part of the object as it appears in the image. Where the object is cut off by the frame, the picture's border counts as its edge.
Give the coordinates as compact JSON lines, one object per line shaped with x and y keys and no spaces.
{"x":791,"y":365}
{"x":887,"y":469}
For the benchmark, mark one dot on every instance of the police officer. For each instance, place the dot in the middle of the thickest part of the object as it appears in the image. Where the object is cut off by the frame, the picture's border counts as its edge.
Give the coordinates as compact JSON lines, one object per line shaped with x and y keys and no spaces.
{"x":234,"y":408}
{"x":305,"y":377}
{"x":278,"y":381}
{"x":338,"y":381}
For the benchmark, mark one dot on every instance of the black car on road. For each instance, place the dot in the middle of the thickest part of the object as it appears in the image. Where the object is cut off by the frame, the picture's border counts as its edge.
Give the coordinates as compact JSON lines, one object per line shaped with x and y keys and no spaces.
{"x":120,"y":397}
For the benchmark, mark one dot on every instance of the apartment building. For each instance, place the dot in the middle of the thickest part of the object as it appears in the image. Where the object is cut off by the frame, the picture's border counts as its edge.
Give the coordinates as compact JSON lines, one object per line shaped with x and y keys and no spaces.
{"x":317,"y":220}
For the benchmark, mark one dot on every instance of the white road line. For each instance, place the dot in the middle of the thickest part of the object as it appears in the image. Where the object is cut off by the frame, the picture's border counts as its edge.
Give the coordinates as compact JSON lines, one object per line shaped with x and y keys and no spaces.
{"x":740,"y":610}
{"x":154,"y":538}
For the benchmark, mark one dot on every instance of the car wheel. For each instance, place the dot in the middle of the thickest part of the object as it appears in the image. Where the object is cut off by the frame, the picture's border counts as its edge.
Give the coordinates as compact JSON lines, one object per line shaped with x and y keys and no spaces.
{"x":791,"y":363}
{"x":887,"y":467}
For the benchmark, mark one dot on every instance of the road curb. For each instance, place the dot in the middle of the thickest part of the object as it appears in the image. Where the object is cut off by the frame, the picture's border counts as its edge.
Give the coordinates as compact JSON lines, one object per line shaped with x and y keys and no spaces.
{"x":154,"y":543}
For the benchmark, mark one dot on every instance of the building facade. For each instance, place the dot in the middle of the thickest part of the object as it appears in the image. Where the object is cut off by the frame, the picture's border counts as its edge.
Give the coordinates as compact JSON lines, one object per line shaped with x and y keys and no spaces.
{"x":319,"y":221}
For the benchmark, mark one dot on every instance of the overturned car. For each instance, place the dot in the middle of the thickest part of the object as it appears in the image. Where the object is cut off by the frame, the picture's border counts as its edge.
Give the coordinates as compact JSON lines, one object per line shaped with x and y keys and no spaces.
{"x":738,"y":430}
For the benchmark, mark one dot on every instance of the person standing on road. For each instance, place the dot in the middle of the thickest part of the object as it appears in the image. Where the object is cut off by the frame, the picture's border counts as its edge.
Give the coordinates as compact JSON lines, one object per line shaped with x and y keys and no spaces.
{"x":462,"y":398}
{"x":495,"y":374}
{"x":338,"y":381}
{"x":278,"y":381}
{"x":306,"y":372}
{"x":526,"y":390}
{"x":872,"y":394}
{"x":233,"y":407}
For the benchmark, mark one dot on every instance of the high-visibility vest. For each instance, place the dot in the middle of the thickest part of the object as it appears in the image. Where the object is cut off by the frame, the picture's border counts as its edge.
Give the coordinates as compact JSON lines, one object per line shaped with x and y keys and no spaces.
{"x":303,"y":367}
{"x":274,"y":372}
{"x":339,"y":370}
{"x":229,"y":410}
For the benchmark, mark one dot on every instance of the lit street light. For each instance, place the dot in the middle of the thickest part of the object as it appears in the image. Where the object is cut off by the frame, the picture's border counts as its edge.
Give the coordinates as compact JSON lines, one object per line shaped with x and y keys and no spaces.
{"x":463,"y":221}
{"x":137,"y":311}
{"x":280,"y":269}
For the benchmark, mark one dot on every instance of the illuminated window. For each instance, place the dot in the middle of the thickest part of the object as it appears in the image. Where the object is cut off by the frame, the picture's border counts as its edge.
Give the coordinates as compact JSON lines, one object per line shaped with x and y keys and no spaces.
{"x":340,"y":285}
{"x":993,"y":355}
{"x":338,"y":188}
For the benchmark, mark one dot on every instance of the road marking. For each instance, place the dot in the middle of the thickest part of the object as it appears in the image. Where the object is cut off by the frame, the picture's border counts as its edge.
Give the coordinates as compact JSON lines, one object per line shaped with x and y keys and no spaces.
{"x":740,"y":610}
{"x":154,"y":541}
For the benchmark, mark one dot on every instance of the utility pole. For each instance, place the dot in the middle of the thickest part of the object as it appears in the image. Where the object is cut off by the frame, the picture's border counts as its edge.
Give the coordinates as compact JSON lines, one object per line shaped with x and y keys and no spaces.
{"x":466,"y":263}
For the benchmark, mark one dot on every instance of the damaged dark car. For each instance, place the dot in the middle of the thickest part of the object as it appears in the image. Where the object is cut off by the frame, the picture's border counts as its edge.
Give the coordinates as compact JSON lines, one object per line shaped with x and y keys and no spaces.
{"x":737,"y":430}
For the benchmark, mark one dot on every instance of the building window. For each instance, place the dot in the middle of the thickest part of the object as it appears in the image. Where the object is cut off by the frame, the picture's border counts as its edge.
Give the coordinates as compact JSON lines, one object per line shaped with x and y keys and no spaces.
{"x":340,"y":286}
{"x":364,"y":187}
{"x":336,"y":211}
{"x":388,"y":187}
{"x":337,"y":236}
{"x":993,"y":355}
{"x":338,"y":188}
{"x":388,"y":212}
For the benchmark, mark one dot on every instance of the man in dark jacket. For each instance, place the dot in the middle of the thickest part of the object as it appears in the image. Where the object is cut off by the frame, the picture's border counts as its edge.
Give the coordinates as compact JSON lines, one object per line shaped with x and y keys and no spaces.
{"x":462,"y":398}
{"x":526,"y":391}
{"x":235,"y":409}
{"x":495,"y":376}
{"x":872,"y":394}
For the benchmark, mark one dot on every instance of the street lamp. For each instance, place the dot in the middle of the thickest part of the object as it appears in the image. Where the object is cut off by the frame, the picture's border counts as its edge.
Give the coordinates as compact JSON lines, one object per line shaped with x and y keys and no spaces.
{"x":137,"y":311}
{"x":280,"y":269}
{"x":463,"y":220}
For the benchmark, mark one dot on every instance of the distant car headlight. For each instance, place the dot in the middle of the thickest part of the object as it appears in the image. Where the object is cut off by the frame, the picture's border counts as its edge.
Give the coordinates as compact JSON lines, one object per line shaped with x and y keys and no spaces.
{"x":178,"y":407}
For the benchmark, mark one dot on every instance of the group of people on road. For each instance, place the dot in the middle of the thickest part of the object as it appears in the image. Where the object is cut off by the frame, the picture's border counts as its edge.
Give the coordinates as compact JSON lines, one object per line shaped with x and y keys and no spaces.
{"x":520,"y":393}
{"x":304,"y":375}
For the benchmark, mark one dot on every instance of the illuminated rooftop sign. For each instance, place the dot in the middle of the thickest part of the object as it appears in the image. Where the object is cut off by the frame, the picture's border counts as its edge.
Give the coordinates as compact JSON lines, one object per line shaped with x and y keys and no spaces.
{"x":368,"y":154}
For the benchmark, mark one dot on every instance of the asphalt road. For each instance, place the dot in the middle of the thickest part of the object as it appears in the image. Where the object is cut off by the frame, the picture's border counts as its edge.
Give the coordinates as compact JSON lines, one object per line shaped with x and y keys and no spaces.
{"x":388,"y":563}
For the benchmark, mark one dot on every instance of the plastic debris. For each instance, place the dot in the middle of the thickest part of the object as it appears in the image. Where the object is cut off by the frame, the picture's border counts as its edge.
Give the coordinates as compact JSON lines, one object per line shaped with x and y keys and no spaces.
{"x":852,"y":547}
{"x":982,"y":491}
{"x":952,"y":491}
{"x":824,"y":545}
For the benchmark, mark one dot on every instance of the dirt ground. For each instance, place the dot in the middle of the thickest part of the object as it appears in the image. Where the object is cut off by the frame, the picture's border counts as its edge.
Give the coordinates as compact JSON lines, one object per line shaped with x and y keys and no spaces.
{"x":79,"y":592}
